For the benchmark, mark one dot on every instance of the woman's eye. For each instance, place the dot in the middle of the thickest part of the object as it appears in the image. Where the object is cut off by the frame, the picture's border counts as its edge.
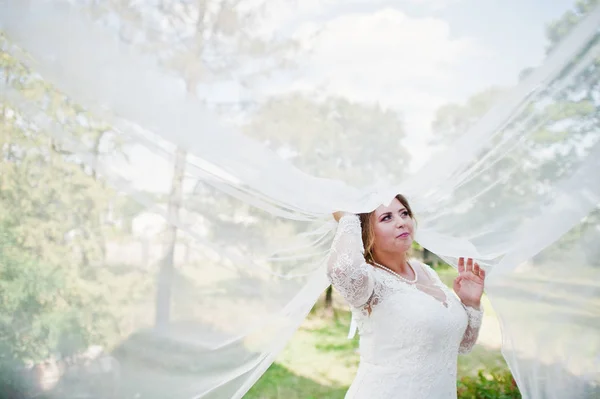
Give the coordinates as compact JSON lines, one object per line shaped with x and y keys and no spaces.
{"x":386,"y":217}
{"x":405,"y":213}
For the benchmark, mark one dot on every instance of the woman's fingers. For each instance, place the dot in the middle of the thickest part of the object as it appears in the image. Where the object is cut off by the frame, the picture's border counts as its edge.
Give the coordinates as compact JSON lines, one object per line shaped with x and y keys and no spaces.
{"x":338,"y":215}
{"x":470,"y":267}
{"x":461,"y":264}
{"x":479,"y":271}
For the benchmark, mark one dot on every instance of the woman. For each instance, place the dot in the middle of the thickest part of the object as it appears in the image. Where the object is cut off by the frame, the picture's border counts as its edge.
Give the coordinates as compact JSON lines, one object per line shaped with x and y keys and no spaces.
{"x":411,"y":326}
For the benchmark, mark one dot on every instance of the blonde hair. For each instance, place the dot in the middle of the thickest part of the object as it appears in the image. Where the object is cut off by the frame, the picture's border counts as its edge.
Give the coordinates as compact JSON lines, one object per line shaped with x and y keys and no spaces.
{"x":368,"y":234}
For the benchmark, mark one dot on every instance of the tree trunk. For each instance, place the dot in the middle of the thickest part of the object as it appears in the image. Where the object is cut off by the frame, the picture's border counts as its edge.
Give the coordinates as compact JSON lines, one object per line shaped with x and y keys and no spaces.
{"x":167,"y":267}
{"x":329,"y":298}
{"x":96,"y":152}
{"x":5,"y":127}
{"x":426,"y":255}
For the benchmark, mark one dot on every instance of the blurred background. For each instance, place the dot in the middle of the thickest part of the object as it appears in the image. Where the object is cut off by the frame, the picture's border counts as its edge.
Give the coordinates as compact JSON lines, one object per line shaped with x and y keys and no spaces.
{"x":99,"y":232}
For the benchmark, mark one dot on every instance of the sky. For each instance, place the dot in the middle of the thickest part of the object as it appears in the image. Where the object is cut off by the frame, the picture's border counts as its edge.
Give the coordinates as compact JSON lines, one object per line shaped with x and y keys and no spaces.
{"x":416,"y":55}
{"x":410,"y":55}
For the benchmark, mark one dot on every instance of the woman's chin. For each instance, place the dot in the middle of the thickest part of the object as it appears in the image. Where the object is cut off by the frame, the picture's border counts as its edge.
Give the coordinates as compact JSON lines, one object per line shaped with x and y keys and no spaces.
{"x":404,"y":246}
{"x":405,"y":240}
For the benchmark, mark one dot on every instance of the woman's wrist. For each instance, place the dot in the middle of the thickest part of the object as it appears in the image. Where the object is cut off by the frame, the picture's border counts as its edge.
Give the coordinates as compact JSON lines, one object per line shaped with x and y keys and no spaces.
{"x":473,"y":304}
{"x":340,"y":214}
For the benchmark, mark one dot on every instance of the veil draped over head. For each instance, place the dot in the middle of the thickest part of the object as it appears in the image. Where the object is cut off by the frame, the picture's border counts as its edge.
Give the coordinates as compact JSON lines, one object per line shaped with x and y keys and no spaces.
{"x":169,"y":169}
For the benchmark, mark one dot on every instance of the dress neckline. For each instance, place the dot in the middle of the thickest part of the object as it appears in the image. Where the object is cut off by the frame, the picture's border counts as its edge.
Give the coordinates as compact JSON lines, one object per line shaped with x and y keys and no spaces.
{"x":428,"y":289}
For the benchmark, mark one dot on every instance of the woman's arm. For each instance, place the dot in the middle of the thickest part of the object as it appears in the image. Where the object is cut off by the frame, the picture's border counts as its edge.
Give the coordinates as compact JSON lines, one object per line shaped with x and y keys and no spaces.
{"x":469,"y":287}
{"x":472,"y":332}
{"x":347,"y":270}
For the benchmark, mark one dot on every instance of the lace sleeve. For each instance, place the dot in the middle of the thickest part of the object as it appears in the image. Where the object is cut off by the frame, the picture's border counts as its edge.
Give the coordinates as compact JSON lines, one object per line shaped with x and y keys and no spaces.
{"x":347,"y":270}
{"x":472,"y":331}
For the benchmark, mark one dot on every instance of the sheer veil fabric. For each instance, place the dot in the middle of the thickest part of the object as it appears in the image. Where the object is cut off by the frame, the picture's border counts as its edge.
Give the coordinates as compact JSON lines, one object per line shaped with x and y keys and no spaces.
{"x":170,"y":167}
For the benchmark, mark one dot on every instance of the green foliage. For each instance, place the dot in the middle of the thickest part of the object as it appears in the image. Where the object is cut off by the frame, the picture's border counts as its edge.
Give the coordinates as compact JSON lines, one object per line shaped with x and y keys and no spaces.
{"x":453,"y":120}
{"x":42,"y":310}
{"x":281,"y":382}
{"x":55,"y":291}
{"x":499,"y":384}
{"x":545,"y":143}
{"x":319,"y":362}
{"x":558,"y":29}
{"x":314,"y":133}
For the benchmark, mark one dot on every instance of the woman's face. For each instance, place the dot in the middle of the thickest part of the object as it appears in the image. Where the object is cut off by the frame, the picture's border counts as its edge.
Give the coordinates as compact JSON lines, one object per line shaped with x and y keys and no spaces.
{"x":392,"y":228}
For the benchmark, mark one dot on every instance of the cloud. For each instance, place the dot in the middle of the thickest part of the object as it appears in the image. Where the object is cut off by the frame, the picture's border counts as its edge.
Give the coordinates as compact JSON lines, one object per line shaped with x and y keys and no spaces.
{"x":372,"y":51}
{"x":409,"y":64}
{"x":389,"y":46}
{"x":387,"y":57}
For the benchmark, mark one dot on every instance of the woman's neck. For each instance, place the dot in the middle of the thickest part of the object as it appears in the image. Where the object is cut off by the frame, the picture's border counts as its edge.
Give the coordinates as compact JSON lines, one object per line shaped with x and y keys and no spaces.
{"x":397,"y":262}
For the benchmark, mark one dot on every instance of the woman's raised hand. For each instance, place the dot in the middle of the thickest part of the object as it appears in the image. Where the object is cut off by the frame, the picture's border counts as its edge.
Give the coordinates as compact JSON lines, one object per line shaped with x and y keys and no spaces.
{"x":469,"y":283}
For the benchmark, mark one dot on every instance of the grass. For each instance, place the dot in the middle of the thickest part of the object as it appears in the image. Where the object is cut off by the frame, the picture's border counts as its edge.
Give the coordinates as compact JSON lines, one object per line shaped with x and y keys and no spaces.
{"x":320,"y":362}
{"x":281,"y":382}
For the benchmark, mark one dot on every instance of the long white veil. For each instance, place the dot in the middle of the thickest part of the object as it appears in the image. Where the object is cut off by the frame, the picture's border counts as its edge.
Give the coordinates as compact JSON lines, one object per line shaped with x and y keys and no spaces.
{"x":169,"y":169}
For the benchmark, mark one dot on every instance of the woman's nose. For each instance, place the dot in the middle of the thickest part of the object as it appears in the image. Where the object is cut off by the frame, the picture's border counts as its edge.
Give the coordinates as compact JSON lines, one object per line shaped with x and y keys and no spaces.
{"x":399,"y":222}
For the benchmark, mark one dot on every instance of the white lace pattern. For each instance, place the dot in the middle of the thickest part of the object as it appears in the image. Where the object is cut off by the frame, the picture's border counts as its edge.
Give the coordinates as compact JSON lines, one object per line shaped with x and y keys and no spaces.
{"x":409,"y":337}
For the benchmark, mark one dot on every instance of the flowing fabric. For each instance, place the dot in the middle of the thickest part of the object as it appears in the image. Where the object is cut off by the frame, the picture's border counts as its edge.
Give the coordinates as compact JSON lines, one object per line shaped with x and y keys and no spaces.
{"x":168,"y":178}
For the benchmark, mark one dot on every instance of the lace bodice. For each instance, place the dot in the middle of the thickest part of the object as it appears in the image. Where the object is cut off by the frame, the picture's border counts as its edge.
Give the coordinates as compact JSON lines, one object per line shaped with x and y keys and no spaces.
{"x":410,"y":334}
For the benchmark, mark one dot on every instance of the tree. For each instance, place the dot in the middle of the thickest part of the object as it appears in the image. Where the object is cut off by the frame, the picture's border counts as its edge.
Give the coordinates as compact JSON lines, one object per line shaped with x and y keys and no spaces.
{"x":553,"y":132}
{"x":57,"y":294}
{"x":316,"y":132}
{"x":50,"y":233}
{"x":187,"y":48}
{"x":334,"y":138}
{"x":453,"y":120}
{"x":575,"y":117}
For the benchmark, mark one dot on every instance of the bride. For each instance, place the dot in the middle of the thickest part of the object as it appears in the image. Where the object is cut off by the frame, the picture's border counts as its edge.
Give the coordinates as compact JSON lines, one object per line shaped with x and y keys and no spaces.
{"x":411,"y":326}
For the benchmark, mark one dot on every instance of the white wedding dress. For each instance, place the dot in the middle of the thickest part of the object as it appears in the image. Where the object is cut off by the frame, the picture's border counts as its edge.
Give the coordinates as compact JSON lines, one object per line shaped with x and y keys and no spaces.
{"x":410,"y":334}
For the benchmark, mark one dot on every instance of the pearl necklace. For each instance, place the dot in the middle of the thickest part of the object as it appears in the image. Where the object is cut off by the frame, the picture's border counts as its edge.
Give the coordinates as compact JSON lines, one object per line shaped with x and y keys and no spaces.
{"x":399,"y":276}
